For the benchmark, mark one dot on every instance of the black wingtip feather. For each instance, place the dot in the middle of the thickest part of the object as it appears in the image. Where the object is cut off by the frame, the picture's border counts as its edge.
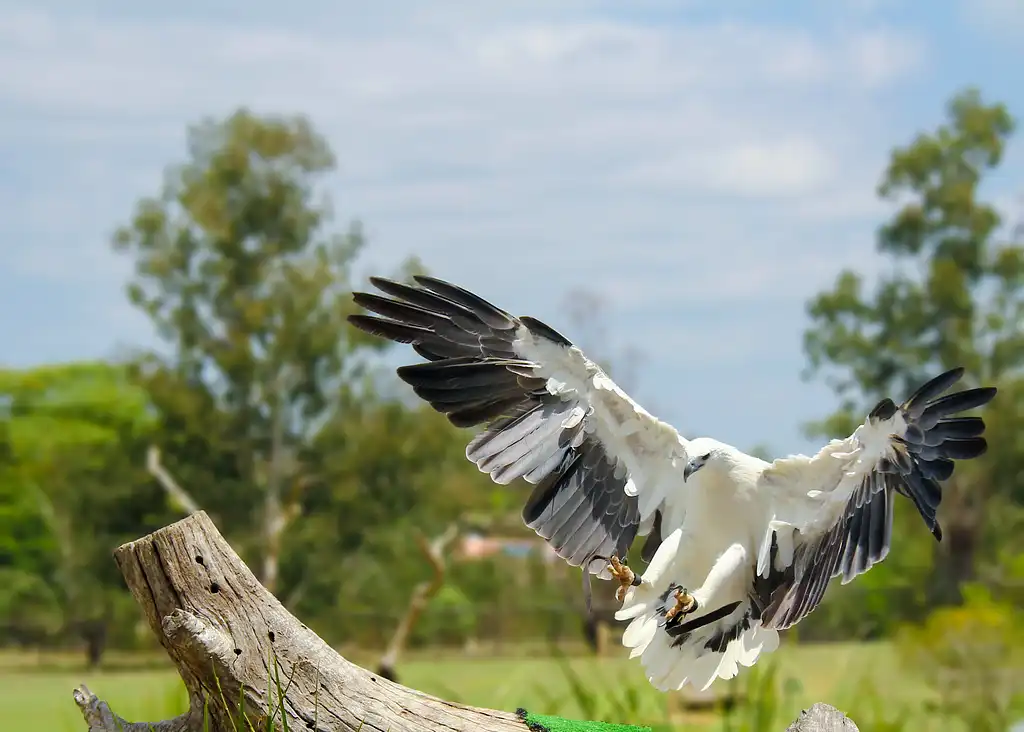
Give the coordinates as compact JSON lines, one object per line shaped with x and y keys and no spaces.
{"x":421,"y":297}
{"x":488,"y":312}
{"x":390,"y":329}
{"x":399,"y":311}
{"x":883,"y":410}
{"x":965,"y":449}
{"x":933,"y":431}
{"x":381,"y":283}
{"x":960,"y":401}
{"x":932,"y":388}
{"x":545,"y":330}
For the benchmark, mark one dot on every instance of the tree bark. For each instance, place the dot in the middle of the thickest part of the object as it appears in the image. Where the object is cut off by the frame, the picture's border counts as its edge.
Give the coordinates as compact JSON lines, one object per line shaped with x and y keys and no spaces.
{"x":239,"y":651}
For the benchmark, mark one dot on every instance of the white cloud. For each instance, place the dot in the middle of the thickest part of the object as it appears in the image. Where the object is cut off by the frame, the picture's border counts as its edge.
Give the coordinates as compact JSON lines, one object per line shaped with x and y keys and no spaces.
{"x":756,"y":168}
{"x":1001,"y":18}
{"x":481,"y":118}
{"x":879,"y":57}
{"x":524,"y":149}
{"x":781,"y":167}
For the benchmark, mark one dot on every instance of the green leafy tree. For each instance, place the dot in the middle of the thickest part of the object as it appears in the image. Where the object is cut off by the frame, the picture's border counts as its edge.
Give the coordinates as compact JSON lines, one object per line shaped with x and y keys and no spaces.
{"x":950,"y":295}
{"x":237,"y":270}
{"x":71,"y":490}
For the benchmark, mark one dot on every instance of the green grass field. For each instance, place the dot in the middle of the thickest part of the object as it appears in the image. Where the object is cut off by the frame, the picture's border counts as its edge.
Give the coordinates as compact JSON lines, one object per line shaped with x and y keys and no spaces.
{"x":35,"y":691}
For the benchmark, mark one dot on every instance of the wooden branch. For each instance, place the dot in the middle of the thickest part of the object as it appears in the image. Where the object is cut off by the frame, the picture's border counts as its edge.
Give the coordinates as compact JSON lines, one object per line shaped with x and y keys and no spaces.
{"x":231,"y":640}
{"x":275,"y":517}
{"x":99,"y":718}
{"x":238,"y":650}
{"x":434,"y":551}
{"x":822,"y":718}
{"x":178,"y":495}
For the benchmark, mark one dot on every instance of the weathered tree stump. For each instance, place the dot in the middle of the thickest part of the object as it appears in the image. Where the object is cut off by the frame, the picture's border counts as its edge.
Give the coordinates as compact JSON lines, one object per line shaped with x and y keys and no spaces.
{"x":235,"y":646}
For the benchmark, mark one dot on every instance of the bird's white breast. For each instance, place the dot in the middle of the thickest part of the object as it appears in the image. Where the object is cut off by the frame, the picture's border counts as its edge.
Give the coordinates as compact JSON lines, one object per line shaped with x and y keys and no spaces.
{"x":718,"y":517}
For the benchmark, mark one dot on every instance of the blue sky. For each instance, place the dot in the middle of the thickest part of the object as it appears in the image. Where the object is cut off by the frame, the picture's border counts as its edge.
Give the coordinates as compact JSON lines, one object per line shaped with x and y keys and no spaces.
{"x":706,"y":167}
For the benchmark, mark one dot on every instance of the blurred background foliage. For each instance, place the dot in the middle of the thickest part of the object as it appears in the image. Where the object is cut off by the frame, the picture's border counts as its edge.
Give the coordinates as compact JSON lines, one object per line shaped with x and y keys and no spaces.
{"x":289,"y":428}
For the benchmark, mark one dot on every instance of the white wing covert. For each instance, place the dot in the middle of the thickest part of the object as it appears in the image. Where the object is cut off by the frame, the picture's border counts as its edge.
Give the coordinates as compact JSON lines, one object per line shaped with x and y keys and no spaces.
{"x":601,"y":464}
{"x":833,"y":511}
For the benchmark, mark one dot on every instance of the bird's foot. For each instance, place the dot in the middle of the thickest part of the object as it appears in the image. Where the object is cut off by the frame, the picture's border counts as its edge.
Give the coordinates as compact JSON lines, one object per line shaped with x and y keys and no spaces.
{"x":626,"y":577}
{"x":685,"y":604}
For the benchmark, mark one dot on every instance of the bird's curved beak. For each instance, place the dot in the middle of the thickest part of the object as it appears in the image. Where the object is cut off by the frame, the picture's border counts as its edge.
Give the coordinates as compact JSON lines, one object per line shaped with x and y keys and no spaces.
{"x":689,"y":470}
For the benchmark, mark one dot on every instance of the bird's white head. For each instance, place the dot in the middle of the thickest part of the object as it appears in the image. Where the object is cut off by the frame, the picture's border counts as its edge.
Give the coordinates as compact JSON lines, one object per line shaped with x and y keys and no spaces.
{"x":710,"y":455}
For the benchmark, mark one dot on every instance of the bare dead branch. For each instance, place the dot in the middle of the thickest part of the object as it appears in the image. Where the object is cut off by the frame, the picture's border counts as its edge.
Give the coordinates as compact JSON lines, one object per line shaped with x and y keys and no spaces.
{"x":434,"y":551}
{"x":180,"y":498}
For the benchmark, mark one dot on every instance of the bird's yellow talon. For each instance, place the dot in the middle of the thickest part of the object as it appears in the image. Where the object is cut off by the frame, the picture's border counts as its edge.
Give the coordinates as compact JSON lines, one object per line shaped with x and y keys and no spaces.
{"x":685,"y":604}
{"x":623,"y":574}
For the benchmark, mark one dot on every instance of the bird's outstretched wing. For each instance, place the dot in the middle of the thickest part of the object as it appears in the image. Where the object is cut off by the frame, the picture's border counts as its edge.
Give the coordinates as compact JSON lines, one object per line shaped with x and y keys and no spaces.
{"x":833,"y":511}
{"x":601,"y":464}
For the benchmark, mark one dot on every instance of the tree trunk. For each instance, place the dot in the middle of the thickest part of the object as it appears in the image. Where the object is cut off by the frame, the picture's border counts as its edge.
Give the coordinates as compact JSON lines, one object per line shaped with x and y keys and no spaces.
{"x":239,"y":651}
{"x":954,"y":557}
{"x":94,"y":633}
{"x":274,"y":521}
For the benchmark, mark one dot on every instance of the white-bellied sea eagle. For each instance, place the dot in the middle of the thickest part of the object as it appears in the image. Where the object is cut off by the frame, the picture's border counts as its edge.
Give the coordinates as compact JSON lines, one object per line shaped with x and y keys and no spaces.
{"x":738,"y":548}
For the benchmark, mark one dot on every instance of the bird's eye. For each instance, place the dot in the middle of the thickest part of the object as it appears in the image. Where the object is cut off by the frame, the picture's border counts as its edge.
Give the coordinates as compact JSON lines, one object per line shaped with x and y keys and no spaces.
{"x":704,"y":458}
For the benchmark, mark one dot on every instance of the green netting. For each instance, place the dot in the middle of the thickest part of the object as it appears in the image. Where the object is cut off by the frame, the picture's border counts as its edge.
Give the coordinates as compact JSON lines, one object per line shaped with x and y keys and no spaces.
{"x":548,"y":723}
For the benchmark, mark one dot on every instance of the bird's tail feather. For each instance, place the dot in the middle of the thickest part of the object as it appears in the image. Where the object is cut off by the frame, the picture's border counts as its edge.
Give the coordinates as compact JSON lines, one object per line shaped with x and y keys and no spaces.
{"x":694,"y":652}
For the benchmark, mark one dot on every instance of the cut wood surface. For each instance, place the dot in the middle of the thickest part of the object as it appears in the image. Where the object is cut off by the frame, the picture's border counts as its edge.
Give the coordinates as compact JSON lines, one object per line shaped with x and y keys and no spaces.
{"x":232,"y":641}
